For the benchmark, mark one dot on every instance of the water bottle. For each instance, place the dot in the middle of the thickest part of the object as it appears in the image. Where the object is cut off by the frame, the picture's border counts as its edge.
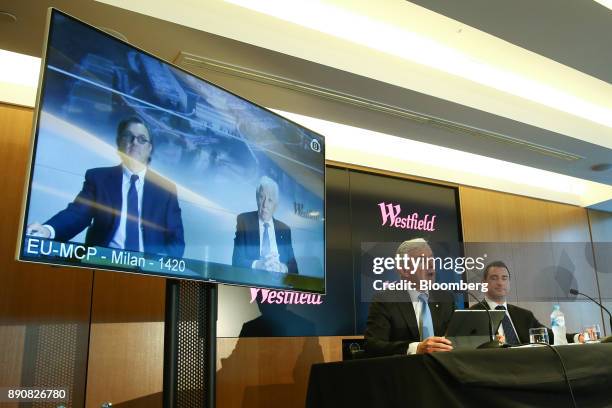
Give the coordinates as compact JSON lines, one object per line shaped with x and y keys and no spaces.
{"x":557,"y":322}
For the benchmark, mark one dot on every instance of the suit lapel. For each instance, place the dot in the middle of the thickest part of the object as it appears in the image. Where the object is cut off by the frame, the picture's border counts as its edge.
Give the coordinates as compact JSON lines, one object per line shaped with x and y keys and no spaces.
{"x":512,"y":311}
{"x":436,"y":310}
{"x":515,"y":316}
{"x":409,"y":315}
{"x":280,"y":238}
{"x":148,"y":194}
{"x":253,"y":231}
{"x":407,"y":312}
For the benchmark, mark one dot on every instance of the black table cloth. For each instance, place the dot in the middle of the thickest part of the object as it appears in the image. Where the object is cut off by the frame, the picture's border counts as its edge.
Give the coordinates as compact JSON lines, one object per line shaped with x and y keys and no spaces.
{"x":525,"y":377}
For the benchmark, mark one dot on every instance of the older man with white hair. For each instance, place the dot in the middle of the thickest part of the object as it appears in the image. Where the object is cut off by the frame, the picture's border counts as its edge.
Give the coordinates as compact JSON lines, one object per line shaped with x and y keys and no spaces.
{"x":415,"y":322}
{"x":261,"y":241}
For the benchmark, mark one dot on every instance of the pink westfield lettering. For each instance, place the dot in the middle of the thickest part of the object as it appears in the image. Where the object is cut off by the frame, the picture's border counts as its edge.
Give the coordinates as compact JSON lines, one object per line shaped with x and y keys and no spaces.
{"x":391,"y":212}
{"x":283,"y":297}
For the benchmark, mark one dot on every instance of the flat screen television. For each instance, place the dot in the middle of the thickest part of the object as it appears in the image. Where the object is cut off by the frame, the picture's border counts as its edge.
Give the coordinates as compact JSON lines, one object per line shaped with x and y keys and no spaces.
{"x":139,"y":166}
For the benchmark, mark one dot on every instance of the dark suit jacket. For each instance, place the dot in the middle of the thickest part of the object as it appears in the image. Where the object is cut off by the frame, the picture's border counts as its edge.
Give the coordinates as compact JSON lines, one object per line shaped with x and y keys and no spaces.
{"x":98,"y":208}
{"x":392,"y":326}
{"x":523,"y":320}
{"x":246,"y":242}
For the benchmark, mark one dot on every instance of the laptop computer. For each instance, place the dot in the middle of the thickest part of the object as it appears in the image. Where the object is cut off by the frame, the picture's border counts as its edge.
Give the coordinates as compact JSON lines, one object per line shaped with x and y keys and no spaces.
{"x":468,"y":329}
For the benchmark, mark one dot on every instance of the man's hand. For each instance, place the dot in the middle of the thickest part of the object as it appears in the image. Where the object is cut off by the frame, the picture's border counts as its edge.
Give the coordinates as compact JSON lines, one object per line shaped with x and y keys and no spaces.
{"x":276,"y":266}
{"x":282,"y":267}
{"x":271,"y":263}
{"x":264,"y":264}
{"x":38,"y":230}
{"x":434,"y":344}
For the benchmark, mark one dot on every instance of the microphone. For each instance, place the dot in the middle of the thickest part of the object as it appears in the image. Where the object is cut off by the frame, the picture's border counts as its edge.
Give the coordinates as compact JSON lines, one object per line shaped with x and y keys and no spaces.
{"x":494,"y":343}
{"x":605,"y":339}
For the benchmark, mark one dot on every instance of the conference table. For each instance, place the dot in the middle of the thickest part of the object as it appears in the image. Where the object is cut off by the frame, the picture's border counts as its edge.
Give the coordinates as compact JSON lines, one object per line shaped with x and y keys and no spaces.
{"x":512,"y":377}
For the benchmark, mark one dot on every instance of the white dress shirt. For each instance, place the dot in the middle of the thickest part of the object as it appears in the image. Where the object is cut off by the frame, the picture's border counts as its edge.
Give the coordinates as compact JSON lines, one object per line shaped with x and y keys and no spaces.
{"x":271,"y":235}
{"x":118,"y":240}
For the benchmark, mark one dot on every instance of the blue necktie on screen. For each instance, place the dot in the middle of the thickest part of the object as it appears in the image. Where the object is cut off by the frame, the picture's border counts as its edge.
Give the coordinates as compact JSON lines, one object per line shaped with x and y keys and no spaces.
{"x":132,"y":236}
{"x":427,"y":329}
{"x":265,"y":241}
{"x":509,"y":333}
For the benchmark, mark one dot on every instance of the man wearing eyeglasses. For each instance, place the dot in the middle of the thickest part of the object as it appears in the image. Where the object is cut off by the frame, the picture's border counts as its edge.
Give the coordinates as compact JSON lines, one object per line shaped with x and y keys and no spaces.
{"x":127,"y":207}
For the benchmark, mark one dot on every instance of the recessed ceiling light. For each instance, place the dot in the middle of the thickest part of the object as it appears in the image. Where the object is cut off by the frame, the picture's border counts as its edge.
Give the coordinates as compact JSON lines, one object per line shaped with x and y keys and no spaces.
{"x":353,"y":145}
{"x":6,"y":17}
{"x":601,"y":167}
{"x":347,"y":23}
{"x":114,"y":33}
{"x":19,"y":69}
{"x":18,"y":78}
{"x":605,"y":3}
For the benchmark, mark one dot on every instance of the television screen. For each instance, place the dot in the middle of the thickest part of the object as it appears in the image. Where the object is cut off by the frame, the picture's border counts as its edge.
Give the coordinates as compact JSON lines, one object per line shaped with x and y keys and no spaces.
{"x":139,"y":166}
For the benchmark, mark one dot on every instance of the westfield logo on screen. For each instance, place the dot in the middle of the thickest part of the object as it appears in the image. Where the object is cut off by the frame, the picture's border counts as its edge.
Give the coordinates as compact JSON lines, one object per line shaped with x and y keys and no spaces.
{"x":390,"y":216}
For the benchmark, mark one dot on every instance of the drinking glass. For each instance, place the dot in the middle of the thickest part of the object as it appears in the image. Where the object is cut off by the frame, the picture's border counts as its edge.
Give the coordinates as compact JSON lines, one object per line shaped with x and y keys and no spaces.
{"x":538,"y":335}
{"x":592,"y":333}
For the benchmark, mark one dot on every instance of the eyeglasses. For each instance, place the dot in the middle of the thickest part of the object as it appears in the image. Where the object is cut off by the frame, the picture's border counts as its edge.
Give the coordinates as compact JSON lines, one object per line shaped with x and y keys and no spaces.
{"x":141,"y":140}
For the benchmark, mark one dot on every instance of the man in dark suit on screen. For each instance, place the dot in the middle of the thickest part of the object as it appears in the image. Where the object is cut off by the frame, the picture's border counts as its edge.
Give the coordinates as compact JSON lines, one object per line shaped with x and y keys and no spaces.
{"x":126,"y":206}
{"x":517,"y":322}
{"x":261,"y":241}
{"x":410,"y":322}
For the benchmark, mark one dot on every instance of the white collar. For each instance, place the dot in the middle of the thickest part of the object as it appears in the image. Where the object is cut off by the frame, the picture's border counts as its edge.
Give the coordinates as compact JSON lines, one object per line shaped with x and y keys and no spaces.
{"x":128,"y":173}
{"x":414,"y":295}
{"x":262,"y":222}
{"x":492,"y":304}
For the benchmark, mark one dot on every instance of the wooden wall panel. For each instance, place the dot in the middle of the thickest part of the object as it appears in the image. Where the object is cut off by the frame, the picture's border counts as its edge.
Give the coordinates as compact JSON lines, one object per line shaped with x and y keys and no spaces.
{"x":270,"y":372}
{"x":39,"y":304}
{"x":546,"y":245}
{"x":568,"y":223}
{"x":126,"y":350}
{"x":490,"y":216}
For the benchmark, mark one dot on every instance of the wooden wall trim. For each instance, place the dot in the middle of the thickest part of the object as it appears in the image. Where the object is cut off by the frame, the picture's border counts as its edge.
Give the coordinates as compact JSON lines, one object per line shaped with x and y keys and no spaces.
{"x":44,"y":312}
{"x":382,"y":172}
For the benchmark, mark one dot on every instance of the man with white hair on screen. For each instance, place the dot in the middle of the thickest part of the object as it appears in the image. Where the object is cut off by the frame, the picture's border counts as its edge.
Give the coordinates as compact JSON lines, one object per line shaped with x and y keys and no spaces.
{"x":410,"y":322}
{"x":261,"y":241}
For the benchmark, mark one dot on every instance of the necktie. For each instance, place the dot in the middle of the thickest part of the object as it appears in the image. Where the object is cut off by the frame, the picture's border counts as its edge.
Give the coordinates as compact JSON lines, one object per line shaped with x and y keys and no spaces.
{"x":132,"y":237}
{"x":425,"y":322}
{"x":265,"y":241}
{"x":509,"y":333}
